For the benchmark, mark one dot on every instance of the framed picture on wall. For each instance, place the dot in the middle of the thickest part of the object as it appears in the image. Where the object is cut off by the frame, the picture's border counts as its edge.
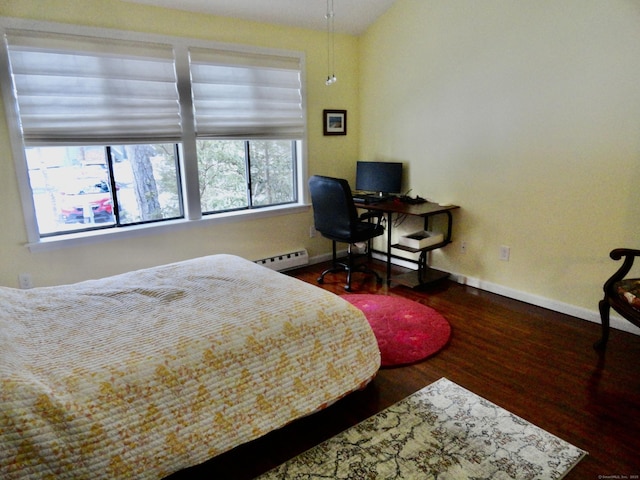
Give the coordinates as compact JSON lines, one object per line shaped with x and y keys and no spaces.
{"x":334,"y":122}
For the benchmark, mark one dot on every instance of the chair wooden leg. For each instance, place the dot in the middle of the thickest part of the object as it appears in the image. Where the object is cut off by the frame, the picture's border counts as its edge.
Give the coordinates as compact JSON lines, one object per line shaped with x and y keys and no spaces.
{"x":604,"y":317}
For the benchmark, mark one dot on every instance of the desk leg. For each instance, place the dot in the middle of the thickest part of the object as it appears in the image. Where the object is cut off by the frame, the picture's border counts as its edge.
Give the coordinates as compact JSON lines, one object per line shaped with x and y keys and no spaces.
{"x":449,"y":226}
{"x":389,"y":220}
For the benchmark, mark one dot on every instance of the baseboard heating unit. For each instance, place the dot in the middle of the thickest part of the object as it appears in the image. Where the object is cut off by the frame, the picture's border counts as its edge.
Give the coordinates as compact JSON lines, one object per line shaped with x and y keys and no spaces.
{"x":285,"y":261}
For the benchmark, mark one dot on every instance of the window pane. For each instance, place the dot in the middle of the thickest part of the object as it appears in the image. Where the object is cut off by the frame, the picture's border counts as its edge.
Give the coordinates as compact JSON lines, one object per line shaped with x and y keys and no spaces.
{"x":148,"y":182}
{"x":72,"y":186}
{"x":222,"y":175}
{"x":272,"y":172}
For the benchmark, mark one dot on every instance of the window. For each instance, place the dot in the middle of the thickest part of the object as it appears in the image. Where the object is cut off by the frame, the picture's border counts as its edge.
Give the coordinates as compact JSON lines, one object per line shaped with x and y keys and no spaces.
{"x":226,"y":165}
{"x":94,"y":187}
{"x":117,"y":129}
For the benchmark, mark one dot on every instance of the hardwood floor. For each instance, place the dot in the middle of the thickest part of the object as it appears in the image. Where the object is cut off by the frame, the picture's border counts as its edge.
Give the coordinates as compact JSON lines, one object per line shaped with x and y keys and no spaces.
{"x":538,"y":364}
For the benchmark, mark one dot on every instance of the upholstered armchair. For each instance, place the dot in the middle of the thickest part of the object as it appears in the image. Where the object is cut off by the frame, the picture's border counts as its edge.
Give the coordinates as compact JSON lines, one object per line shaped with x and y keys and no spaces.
{"x":620,"y":293}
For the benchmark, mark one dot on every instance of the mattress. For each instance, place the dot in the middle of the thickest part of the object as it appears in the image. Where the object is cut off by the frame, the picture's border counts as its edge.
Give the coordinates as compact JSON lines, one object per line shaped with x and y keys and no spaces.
{"x":145,"y":373}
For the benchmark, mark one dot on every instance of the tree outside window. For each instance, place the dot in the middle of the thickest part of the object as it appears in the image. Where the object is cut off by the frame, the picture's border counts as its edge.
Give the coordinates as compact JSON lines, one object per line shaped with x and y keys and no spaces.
{"x":225,"y":183}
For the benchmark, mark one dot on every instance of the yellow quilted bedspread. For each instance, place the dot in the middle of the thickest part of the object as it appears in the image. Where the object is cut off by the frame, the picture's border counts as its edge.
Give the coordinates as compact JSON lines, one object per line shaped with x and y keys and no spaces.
{"x":143,"y":374}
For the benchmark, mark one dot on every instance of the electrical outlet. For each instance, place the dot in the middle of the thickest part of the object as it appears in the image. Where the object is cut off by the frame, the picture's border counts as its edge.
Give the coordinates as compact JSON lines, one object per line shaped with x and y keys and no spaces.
{"x":504,"y":253}
{"x":463,"y":246}
{"x":25,"y":280}
{"x":312,"y":231}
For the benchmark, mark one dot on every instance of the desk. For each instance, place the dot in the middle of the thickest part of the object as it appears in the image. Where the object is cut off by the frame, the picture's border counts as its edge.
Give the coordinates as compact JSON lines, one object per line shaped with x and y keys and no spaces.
{"x":425,"y":274}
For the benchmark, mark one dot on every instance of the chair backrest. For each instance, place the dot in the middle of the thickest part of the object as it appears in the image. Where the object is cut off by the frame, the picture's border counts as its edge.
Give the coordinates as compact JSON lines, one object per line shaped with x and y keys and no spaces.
{"x":334,"y":212}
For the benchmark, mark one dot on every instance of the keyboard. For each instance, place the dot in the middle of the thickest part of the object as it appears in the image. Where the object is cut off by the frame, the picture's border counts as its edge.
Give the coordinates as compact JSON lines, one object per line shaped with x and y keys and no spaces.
{"x":367,"y":199}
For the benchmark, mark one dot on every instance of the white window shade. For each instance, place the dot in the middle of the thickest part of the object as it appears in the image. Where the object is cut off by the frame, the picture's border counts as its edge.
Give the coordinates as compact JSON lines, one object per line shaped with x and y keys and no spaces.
{"x":238,"y":94}
{"x":73,"y":89}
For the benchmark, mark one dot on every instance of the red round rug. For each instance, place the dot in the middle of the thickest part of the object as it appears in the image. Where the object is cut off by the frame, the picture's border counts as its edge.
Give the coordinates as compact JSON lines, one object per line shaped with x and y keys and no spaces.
{"x":406,"y":331}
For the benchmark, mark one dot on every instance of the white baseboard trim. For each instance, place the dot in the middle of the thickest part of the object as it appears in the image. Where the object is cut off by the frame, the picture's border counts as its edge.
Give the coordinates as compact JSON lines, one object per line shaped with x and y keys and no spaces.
{"x":593,"y":316}
{"x":616,"y":321}
{"x":326,"y":257}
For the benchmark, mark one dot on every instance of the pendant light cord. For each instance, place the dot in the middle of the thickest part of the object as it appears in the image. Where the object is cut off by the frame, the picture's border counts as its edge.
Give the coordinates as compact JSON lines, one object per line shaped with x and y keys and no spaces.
{"x":330,"y":16}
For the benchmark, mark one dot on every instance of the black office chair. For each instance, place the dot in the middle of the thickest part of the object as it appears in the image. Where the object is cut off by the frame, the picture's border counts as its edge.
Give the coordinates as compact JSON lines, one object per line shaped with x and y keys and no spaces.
{"x":336,"y":218}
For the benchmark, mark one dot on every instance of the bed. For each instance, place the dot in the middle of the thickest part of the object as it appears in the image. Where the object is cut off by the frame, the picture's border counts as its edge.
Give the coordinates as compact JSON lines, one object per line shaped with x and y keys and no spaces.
{"x":143,"y":374}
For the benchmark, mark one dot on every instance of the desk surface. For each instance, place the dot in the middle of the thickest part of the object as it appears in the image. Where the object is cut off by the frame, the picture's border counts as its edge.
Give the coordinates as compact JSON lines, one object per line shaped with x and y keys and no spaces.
{"x":418,"y":209}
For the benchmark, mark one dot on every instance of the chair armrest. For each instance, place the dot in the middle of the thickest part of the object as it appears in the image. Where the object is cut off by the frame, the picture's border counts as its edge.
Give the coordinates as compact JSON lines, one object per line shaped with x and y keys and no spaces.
{"x":618,"y":253}
{"x":371,"y":214}
{"x":629,"y":255}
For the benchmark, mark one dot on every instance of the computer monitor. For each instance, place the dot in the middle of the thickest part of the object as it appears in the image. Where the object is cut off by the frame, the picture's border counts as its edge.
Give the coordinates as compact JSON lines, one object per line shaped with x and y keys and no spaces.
{"x":381,"y":178}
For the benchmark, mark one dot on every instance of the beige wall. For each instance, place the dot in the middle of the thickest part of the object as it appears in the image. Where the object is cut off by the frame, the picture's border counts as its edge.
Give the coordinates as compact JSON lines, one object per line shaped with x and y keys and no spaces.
{"x":527,"y":115}
{"x":251,"y":239}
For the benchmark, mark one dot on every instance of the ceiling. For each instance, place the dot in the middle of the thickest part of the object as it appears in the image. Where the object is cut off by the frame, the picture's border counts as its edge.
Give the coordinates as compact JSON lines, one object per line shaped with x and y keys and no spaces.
{"x":350,"y":16}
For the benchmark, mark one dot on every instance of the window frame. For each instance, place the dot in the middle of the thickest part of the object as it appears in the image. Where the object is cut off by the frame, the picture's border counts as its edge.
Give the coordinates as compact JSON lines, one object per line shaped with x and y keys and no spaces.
{"x":193,"y":216}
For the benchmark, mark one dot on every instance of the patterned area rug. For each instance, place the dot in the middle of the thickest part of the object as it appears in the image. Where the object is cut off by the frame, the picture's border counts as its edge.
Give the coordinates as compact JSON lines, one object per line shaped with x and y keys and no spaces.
{"x":441,"y":432}
{"x":406,"y":331}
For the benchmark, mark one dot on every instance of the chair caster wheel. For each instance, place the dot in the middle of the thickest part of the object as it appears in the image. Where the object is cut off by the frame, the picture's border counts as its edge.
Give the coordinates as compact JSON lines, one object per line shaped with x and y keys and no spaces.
{"x":320,"y":280}
{"x":347,"y":288}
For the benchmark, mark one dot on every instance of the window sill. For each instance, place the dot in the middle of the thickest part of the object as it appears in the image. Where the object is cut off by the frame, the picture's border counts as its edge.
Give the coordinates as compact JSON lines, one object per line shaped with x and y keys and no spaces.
{"x":94,"y":237}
